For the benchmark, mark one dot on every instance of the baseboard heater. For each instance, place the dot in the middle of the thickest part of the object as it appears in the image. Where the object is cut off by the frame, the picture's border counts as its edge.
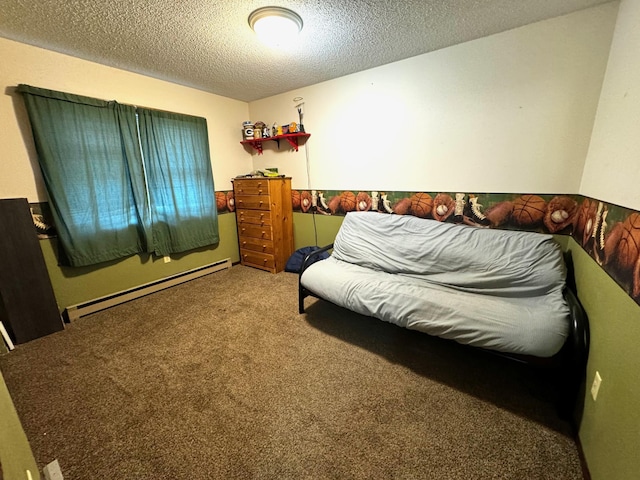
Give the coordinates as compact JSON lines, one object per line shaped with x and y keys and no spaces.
{"x":74,"y":312}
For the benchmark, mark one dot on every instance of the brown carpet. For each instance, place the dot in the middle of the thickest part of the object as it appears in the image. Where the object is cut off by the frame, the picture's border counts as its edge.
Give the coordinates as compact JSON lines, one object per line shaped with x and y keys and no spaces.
{"x":220,"y":378}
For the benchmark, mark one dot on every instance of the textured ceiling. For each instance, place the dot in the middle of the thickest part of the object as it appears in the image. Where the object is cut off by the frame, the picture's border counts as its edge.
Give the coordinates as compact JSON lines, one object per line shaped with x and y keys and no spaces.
{"x":208,"y":44}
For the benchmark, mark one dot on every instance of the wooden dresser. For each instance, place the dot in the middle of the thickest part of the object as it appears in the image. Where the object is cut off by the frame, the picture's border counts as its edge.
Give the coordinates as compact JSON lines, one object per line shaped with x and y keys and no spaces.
{"x":264,"y":216}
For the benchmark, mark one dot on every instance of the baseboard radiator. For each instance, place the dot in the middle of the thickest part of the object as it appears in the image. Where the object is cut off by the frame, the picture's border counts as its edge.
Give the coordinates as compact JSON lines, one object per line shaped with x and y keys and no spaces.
{"x":74,"y":312}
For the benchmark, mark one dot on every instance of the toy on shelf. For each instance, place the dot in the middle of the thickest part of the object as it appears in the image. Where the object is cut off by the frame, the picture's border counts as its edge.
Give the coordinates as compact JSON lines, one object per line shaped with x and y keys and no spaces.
{"x":255,"y":133}
{"x":247,"y":130}
{"x":258,"y":130}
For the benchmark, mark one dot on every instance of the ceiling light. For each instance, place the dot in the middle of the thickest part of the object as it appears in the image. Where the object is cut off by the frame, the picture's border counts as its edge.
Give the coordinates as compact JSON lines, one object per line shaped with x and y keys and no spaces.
{"x":275,"y":26}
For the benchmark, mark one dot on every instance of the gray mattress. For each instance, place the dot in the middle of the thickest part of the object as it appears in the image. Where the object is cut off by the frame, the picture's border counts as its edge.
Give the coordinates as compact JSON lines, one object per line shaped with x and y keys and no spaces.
{"x":495,"y":289}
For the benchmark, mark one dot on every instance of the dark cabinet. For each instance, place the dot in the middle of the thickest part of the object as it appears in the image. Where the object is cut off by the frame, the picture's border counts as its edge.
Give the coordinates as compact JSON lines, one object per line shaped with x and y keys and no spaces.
{"x":28,"y":307}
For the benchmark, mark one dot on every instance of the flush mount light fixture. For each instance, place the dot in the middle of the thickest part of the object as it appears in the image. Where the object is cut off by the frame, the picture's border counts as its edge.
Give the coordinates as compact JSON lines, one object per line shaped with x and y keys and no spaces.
{"x":275,"y":26}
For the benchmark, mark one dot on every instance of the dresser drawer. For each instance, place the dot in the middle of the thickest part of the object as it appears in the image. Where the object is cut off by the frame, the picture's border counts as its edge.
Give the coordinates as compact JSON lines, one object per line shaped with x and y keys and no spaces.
{"x":256,"y":244}
{"x":256,"y":259}
{"x":255,"y":217}
{"x":255,"y":231}
{"x":258,"y":202}
{"x":251,"y":187}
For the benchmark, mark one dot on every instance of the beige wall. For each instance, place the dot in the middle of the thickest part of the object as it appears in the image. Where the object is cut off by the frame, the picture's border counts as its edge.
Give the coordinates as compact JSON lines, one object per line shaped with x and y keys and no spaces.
{"x":612,"y":169}
{"x":19,"y":172}
{"x":512,"y":112}
{"x":457,"y":125}
{"x":20,"y":177}
{"x":610,"y":430}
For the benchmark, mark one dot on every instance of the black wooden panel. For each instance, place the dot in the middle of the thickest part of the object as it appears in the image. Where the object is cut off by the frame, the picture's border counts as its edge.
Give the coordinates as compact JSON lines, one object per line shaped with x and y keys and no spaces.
{"x":28,"y":307}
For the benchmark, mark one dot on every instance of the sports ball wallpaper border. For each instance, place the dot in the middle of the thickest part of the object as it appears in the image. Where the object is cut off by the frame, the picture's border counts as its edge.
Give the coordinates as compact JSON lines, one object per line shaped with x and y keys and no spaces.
{"x":609,"y":233}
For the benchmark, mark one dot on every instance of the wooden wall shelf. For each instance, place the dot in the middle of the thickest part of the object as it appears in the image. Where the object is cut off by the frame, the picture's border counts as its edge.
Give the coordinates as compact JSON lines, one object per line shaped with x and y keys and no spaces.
{"x":292,"y":138}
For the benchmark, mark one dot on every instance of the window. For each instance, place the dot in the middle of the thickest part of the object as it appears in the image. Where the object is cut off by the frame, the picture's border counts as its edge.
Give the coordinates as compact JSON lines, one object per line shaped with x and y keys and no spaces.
{"x":176,"y":153}
{"x":94,"y":157}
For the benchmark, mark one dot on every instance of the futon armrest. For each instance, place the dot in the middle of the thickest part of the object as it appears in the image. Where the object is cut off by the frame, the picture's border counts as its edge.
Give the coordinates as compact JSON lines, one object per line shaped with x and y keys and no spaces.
{"x":579,"y":334}
{"x":309,"y":259}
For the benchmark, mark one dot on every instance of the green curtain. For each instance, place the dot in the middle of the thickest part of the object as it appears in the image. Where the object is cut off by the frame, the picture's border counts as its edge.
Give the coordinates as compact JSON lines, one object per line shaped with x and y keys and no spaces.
{"x":92,"y":167}
{"x":175,"y":148}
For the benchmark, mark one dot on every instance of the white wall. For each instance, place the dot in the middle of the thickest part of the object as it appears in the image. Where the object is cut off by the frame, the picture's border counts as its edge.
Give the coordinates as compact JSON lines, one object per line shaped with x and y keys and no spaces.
{"x":19,"y":173}
{"x":612,"y":169}
{"x":512,"y":112}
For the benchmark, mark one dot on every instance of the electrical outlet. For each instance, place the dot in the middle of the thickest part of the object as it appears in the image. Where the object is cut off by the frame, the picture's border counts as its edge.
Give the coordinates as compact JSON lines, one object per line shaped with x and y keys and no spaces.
{"x":595,"y":386}
{"x":52,"y":471}
{"x":167,"y":259}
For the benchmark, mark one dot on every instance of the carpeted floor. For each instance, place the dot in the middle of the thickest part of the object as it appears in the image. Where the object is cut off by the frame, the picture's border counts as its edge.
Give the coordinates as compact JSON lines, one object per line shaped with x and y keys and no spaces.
{"x":221,"y":378}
